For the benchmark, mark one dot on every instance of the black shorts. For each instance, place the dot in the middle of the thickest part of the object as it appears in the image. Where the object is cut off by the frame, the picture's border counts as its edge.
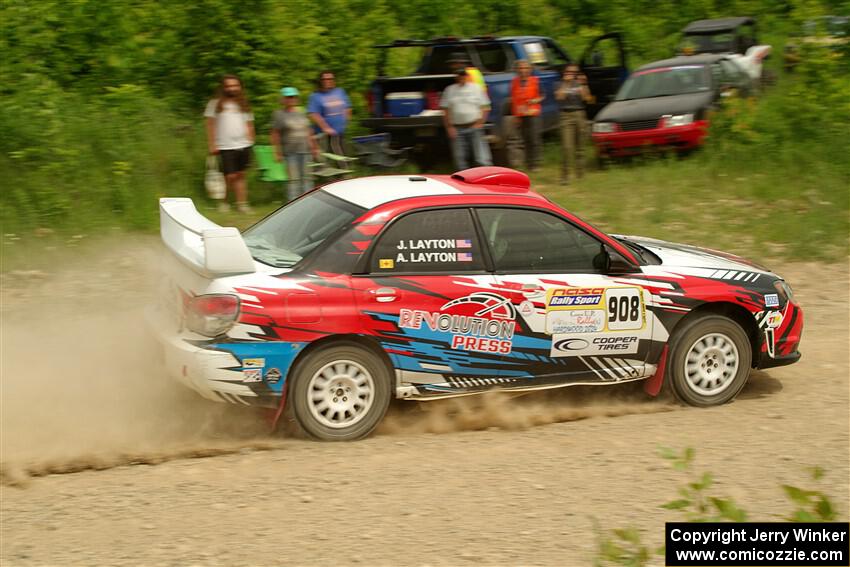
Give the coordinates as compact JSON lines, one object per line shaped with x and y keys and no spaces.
{"x":234,"y":161}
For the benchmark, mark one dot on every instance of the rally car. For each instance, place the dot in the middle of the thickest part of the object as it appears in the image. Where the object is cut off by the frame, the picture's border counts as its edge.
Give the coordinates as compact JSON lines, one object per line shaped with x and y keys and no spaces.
{"x":426,"y":287}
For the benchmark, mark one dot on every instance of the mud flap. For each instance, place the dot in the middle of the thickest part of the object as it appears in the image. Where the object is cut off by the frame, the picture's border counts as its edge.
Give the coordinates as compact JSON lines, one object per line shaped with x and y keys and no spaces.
{"x":652,"y":385}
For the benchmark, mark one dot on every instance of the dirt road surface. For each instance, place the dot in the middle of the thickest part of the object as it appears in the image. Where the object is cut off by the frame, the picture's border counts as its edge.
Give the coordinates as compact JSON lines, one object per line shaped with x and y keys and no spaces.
{"x":486,"y":482}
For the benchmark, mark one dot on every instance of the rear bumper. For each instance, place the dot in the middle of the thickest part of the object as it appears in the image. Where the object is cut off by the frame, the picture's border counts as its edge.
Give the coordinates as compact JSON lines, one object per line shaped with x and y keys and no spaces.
{"x":684,"y":137}
{"x":215,"y":374}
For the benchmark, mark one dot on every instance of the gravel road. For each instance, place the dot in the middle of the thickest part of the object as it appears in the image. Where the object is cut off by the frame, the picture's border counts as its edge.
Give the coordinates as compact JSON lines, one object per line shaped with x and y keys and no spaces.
{"x":484,"y":482}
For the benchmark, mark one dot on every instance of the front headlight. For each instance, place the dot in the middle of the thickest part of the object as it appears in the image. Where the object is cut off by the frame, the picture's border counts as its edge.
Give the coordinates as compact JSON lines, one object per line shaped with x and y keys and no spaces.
{"x":603,"y":127}
{"x":784,"y":290}
{"x":678,"y":120}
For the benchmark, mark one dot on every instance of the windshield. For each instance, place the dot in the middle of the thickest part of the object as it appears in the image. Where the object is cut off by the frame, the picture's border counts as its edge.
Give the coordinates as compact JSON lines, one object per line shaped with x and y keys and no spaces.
{"x":665,"y":81}
{"x":294,"y":231}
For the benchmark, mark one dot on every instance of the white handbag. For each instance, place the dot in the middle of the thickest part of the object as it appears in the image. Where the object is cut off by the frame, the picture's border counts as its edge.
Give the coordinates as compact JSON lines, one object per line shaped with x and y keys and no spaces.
{"x":214,"y":180}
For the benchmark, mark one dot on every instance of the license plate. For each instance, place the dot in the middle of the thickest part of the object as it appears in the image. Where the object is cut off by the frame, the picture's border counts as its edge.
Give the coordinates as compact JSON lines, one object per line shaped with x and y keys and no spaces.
{"x":425,"y":132}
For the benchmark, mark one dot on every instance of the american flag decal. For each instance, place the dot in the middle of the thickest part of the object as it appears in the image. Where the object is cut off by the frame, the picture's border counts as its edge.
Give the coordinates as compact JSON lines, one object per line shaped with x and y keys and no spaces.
{"x":463,"y":243}
{"x":464,"y":257}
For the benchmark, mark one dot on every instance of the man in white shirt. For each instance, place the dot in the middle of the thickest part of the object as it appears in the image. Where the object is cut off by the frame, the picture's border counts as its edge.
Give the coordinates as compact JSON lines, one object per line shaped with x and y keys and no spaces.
{"x":465,"y":105}
{"x":230,"y":135}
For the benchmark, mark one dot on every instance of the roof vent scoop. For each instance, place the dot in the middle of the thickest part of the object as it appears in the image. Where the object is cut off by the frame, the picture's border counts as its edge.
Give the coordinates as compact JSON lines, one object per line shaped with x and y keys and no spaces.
{"x":495,"y":177}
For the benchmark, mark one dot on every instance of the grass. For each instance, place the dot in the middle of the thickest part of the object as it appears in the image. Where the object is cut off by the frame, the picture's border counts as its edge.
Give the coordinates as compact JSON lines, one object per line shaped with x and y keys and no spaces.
{"x":757,"y":211}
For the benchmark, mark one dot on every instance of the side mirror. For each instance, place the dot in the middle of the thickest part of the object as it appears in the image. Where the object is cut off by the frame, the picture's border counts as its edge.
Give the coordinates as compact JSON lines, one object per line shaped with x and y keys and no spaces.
{"x":610,"y":262}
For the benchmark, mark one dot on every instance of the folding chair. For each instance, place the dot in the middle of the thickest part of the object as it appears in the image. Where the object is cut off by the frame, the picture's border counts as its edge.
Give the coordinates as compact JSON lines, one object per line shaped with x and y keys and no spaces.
{"x":270,"y":169}
{"x":374,"y":150}
{"x":329,"y":166}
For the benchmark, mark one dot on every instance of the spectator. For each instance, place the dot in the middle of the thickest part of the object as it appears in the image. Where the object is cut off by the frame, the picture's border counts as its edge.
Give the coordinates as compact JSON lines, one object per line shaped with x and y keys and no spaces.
{"x":292,"y":138}
{"x":230,"y":135}
{"x":466,"y":106}
{"x":330,"y":110}
{"x":572,"y":93}
{"x":525,"y":108}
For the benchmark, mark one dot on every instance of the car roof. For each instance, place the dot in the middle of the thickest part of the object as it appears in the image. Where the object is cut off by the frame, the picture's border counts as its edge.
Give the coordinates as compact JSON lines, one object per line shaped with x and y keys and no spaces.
{"x":371,"y":192}
{"x":702,"y":59}
{"x":716,"y":25}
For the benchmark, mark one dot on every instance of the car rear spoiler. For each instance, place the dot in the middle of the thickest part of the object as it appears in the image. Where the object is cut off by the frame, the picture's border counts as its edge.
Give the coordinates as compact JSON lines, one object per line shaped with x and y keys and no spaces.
{"x":209,"y":249}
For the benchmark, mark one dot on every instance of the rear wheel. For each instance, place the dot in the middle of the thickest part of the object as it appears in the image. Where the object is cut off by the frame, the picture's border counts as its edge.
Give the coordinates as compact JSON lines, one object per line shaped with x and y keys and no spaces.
{"x":340,"y":393}
{"x":709,"y":362}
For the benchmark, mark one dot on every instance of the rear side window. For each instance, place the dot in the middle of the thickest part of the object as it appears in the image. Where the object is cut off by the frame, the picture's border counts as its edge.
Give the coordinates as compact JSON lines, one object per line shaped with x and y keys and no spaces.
{"x":441,"y":240}
{"x":523,"y":240}
{"x":494,"y":58}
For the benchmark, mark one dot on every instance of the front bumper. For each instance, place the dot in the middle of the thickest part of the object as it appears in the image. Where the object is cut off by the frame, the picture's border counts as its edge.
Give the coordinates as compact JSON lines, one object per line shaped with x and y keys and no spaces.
{"x":684,"y":137}
{"x":765,"y":361}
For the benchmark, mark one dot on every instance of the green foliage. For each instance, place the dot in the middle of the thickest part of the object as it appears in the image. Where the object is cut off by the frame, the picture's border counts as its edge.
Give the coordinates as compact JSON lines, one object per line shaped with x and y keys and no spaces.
{"x":102,"y":100}
{"x":625,"y":547}
{"x":694,"y":501}
{"x":811,"y":505}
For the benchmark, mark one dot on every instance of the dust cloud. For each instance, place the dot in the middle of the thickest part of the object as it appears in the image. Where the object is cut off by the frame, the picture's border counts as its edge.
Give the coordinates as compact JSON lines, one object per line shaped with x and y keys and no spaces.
{"x":81,"y":381}
{"x":82,"y":385}
{"x":510,"y":411}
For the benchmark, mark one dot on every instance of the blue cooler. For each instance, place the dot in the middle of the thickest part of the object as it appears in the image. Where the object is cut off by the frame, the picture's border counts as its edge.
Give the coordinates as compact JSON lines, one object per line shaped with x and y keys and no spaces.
{"x":405,"y":104}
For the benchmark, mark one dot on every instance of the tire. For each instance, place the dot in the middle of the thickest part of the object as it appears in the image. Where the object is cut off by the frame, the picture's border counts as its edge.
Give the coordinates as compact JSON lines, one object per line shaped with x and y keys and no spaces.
{"x":340,"y":392}
{"x":699,"y":353}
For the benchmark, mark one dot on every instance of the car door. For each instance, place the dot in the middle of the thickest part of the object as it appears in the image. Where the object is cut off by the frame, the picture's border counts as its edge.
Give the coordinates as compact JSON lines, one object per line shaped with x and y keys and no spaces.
{"x":575,"y":324}
{"x":604,"y":64}
{"x":429,"y":301}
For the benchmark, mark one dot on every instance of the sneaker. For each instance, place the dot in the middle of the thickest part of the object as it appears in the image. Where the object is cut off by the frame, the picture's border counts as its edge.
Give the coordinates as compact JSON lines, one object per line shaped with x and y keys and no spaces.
{"x":244,"y":208}
{"x":223,"y":207}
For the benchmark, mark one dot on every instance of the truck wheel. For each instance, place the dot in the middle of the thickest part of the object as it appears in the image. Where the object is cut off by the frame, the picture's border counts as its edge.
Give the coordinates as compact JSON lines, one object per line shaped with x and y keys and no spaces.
{"x":710,"y":360}
{"x":340,"y":393}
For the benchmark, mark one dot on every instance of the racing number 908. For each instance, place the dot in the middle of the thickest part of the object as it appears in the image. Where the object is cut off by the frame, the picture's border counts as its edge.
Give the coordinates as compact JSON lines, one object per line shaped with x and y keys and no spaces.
{"x":623,"y":309}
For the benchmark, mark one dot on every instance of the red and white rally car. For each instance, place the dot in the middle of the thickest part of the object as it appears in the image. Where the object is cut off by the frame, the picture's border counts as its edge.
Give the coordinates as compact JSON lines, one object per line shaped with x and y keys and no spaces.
{"x":425,"y":287}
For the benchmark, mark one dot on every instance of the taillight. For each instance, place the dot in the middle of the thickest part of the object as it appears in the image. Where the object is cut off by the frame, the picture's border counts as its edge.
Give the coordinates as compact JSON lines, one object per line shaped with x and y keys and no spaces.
{"x":370,"y":102}
{"x":213,"y":314}
{"x":432,"y":100}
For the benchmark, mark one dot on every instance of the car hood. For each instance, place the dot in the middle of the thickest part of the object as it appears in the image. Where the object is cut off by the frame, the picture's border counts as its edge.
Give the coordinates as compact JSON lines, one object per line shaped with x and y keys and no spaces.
{"x":686,"y":256}
{"x":649,"y":108}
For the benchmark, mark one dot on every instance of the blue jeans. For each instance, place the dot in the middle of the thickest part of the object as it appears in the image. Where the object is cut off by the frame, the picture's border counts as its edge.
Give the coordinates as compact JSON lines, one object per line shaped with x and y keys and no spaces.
{"x":470,"y":138}
{"x":300,"y":178}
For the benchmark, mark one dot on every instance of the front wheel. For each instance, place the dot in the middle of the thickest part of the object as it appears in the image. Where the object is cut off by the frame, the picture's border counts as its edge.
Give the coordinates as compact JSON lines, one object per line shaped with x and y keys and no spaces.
{"x":710,"y":359}
{"x":340,"y":392}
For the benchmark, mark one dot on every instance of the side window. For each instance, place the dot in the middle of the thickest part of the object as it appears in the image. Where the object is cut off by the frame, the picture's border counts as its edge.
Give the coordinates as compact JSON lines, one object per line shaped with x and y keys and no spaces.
{"x":733,"y":74}
{"x":556,"y":57}
{"x":494,"y":58}
{"x":535,"y":54}
{"x":522,"y":240}
{"x":441,"y":240}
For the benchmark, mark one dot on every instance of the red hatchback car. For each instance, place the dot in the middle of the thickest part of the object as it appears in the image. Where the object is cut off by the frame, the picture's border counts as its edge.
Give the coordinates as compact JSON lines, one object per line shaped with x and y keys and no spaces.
{"x":426,"y":287}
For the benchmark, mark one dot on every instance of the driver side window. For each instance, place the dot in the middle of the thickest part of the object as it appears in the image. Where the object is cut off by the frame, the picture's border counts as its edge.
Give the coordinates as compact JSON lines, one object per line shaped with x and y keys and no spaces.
{"x":523,"y":240}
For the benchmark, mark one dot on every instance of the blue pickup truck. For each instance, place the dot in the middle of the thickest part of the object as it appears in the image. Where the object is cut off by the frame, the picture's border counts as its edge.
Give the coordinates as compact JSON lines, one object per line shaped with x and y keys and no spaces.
{"x":407,"y":106}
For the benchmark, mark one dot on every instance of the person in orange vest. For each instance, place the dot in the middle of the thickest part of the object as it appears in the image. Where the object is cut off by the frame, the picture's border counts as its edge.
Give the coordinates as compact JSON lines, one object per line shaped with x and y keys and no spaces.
{"x":525,"y":110}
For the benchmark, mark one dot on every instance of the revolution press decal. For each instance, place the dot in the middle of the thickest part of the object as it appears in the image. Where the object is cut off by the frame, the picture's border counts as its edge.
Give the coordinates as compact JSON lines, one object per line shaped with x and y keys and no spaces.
{"x":481,"y":322}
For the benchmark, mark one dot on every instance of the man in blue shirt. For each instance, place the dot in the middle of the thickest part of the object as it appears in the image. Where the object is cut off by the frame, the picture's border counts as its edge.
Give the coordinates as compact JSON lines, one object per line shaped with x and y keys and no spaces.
{"x":330,"y":110}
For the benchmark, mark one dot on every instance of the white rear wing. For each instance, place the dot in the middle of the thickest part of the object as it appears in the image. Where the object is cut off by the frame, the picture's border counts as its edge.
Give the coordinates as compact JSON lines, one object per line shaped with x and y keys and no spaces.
{"x":207,"y":248}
